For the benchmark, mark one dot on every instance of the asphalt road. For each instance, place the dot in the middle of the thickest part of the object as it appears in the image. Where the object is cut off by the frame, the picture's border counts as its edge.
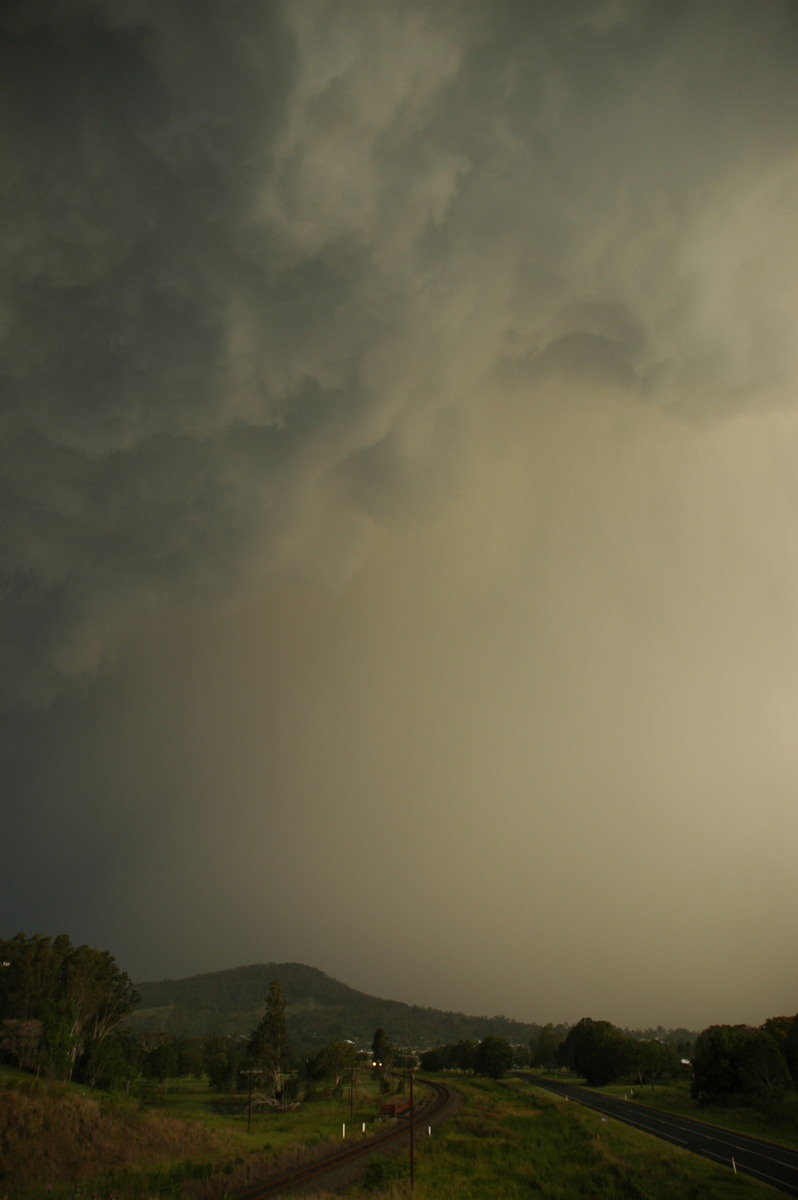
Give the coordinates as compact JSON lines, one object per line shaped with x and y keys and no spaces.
{"x":763,"y":1160}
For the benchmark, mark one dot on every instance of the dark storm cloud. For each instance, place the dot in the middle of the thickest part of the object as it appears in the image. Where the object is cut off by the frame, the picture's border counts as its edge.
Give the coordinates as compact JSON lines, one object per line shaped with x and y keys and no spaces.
{"x":260,"y":259}
{"x":481,"y":316}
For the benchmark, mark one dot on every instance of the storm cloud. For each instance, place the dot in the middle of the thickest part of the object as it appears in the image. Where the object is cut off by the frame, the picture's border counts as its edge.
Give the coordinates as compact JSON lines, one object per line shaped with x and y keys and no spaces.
{"x":399,"y":417}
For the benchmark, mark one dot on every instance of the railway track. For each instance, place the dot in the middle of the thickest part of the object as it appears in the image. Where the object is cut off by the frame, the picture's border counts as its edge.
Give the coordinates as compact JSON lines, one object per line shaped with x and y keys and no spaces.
{"x":346,"y":1161}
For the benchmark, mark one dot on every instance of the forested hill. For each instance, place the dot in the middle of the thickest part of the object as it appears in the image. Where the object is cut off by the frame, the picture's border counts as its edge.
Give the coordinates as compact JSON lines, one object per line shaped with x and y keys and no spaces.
{"x":319,"y":1010}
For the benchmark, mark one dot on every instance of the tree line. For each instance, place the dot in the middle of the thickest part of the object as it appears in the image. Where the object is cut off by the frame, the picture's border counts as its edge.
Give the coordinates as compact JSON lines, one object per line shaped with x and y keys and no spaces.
{"x":62,"y":1009}
{"x":601,"y":1053}
{"x":739,"y":1062}
{"x":61,"y":1013}
{"x":598,"y":1051}
{"x":492,"y":1056}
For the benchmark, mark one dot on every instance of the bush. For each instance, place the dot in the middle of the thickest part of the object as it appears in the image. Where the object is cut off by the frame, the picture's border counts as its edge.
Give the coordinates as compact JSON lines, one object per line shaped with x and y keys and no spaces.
{"x":380,"y":1171}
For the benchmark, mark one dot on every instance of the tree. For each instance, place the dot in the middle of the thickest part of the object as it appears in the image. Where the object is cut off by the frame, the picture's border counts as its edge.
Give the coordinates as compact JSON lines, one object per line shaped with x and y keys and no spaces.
{"x":107,"y":1064}
{"x":521,"y":1055}
{"x":333,"y":1062}
{"x":463,"y":1055}
{"x":763,"y":1068}
{"x":544,"y":1049}
{"x":597,"y":1050}
{"x":98,"y":994}
{"x":60,"y":1047}
{"x":221,"y":1072}
{"x":161,"y":1062}
{"x":189,"y":1057}
{"x":433,"y":1060}
{"x":459,"y":1056}
{"x":268,"y":1045}
{"x":737,"y":1060}
{"x":791,"y":1051}
{"x":494,"y":1057}
{"x":715,"y":1062}
{"x":650,"y":1061}
{"x":77,"y":993}
{"x":779,"y":1028}
{"x":225,"y":1058}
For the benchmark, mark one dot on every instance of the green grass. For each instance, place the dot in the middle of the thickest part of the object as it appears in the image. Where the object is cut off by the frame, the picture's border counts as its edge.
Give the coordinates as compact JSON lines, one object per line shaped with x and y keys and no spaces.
{"x":11,"y":1075}
{"x":60,"y":1142}
{"x":316,"y":1120}
{"x":510,"y":1140}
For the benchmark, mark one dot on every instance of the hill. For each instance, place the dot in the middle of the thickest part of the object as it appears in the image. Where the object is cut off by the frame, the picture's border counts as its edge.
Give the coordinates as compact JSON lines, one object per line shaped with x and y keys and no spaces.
{"x":319,"y":1009}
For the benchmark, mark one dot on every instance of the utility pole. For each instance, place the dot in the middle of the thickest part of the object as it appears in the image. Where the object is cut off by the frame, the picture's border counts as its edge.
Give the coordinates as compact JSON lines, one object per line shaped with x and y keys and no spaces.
{"x":412,"y":1136}
{"x":250,"y":1071}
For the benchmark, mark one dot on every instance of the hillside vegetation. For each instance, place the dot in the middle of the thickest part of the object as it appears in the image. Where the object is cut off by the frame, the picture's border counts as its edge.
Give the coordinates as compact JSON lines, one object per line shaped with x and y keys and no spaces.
{"x":319,"y":1010}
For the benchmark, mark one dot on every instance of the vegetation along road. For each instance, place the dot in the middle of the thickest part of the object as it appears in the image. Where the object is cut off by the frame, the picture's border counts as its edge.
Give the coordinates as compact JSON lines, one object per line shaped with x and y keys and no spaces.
{"x":765,"y":1161}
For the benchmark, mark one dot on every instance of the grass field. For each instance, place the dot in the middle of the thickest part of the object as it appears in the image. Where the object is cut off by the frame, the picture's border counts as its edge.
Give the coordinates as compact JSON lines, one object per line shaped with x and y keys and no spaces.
{"x":511,"y":1141}
{"x":62,"y":1141}
{"x":508,"y":1140}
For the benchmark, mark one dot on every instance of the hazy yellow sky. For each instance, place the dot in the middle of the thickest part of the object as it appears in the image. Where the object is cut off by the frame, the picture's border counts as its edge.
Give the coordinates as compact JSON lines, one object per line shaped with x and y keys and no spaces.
{"x":399,"y":471}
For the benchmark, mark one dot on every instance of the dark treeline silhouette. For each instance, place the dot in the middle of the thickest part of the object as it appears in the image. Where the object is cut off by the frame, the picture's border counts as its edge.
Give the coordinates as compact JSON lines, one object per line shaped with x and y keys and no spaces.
{"x":493,"y":1056}
{"x":726,"y":1063}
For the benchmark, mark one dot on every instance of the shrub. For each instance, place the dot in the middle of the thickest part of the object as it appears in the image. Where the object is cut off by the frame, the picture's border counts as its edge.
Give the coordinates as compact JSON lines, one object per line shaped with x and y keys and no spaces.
{"x":380,"y":1171}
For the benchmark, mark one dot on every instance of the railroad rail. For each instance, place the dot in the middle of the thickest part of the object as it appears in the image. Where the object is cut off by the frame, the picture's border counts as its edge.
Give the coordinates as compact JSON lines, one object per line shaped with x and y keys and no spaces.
{"x":439,"y":1099}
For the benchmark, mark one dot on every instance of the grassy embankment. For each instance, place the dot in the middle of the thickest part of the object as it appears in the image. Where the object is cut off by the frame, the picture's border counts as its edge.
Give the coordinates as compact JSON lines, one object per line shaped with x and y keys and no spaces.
{"x":62,"y":1141}
{"x":510,"y":1140}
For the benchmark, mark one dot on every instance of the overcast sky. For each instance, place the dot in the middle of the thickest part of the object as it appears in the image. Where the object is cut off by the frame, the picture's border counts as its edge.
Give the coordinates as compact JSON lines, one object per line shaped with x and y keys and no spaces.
{"x":399,"y":488}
